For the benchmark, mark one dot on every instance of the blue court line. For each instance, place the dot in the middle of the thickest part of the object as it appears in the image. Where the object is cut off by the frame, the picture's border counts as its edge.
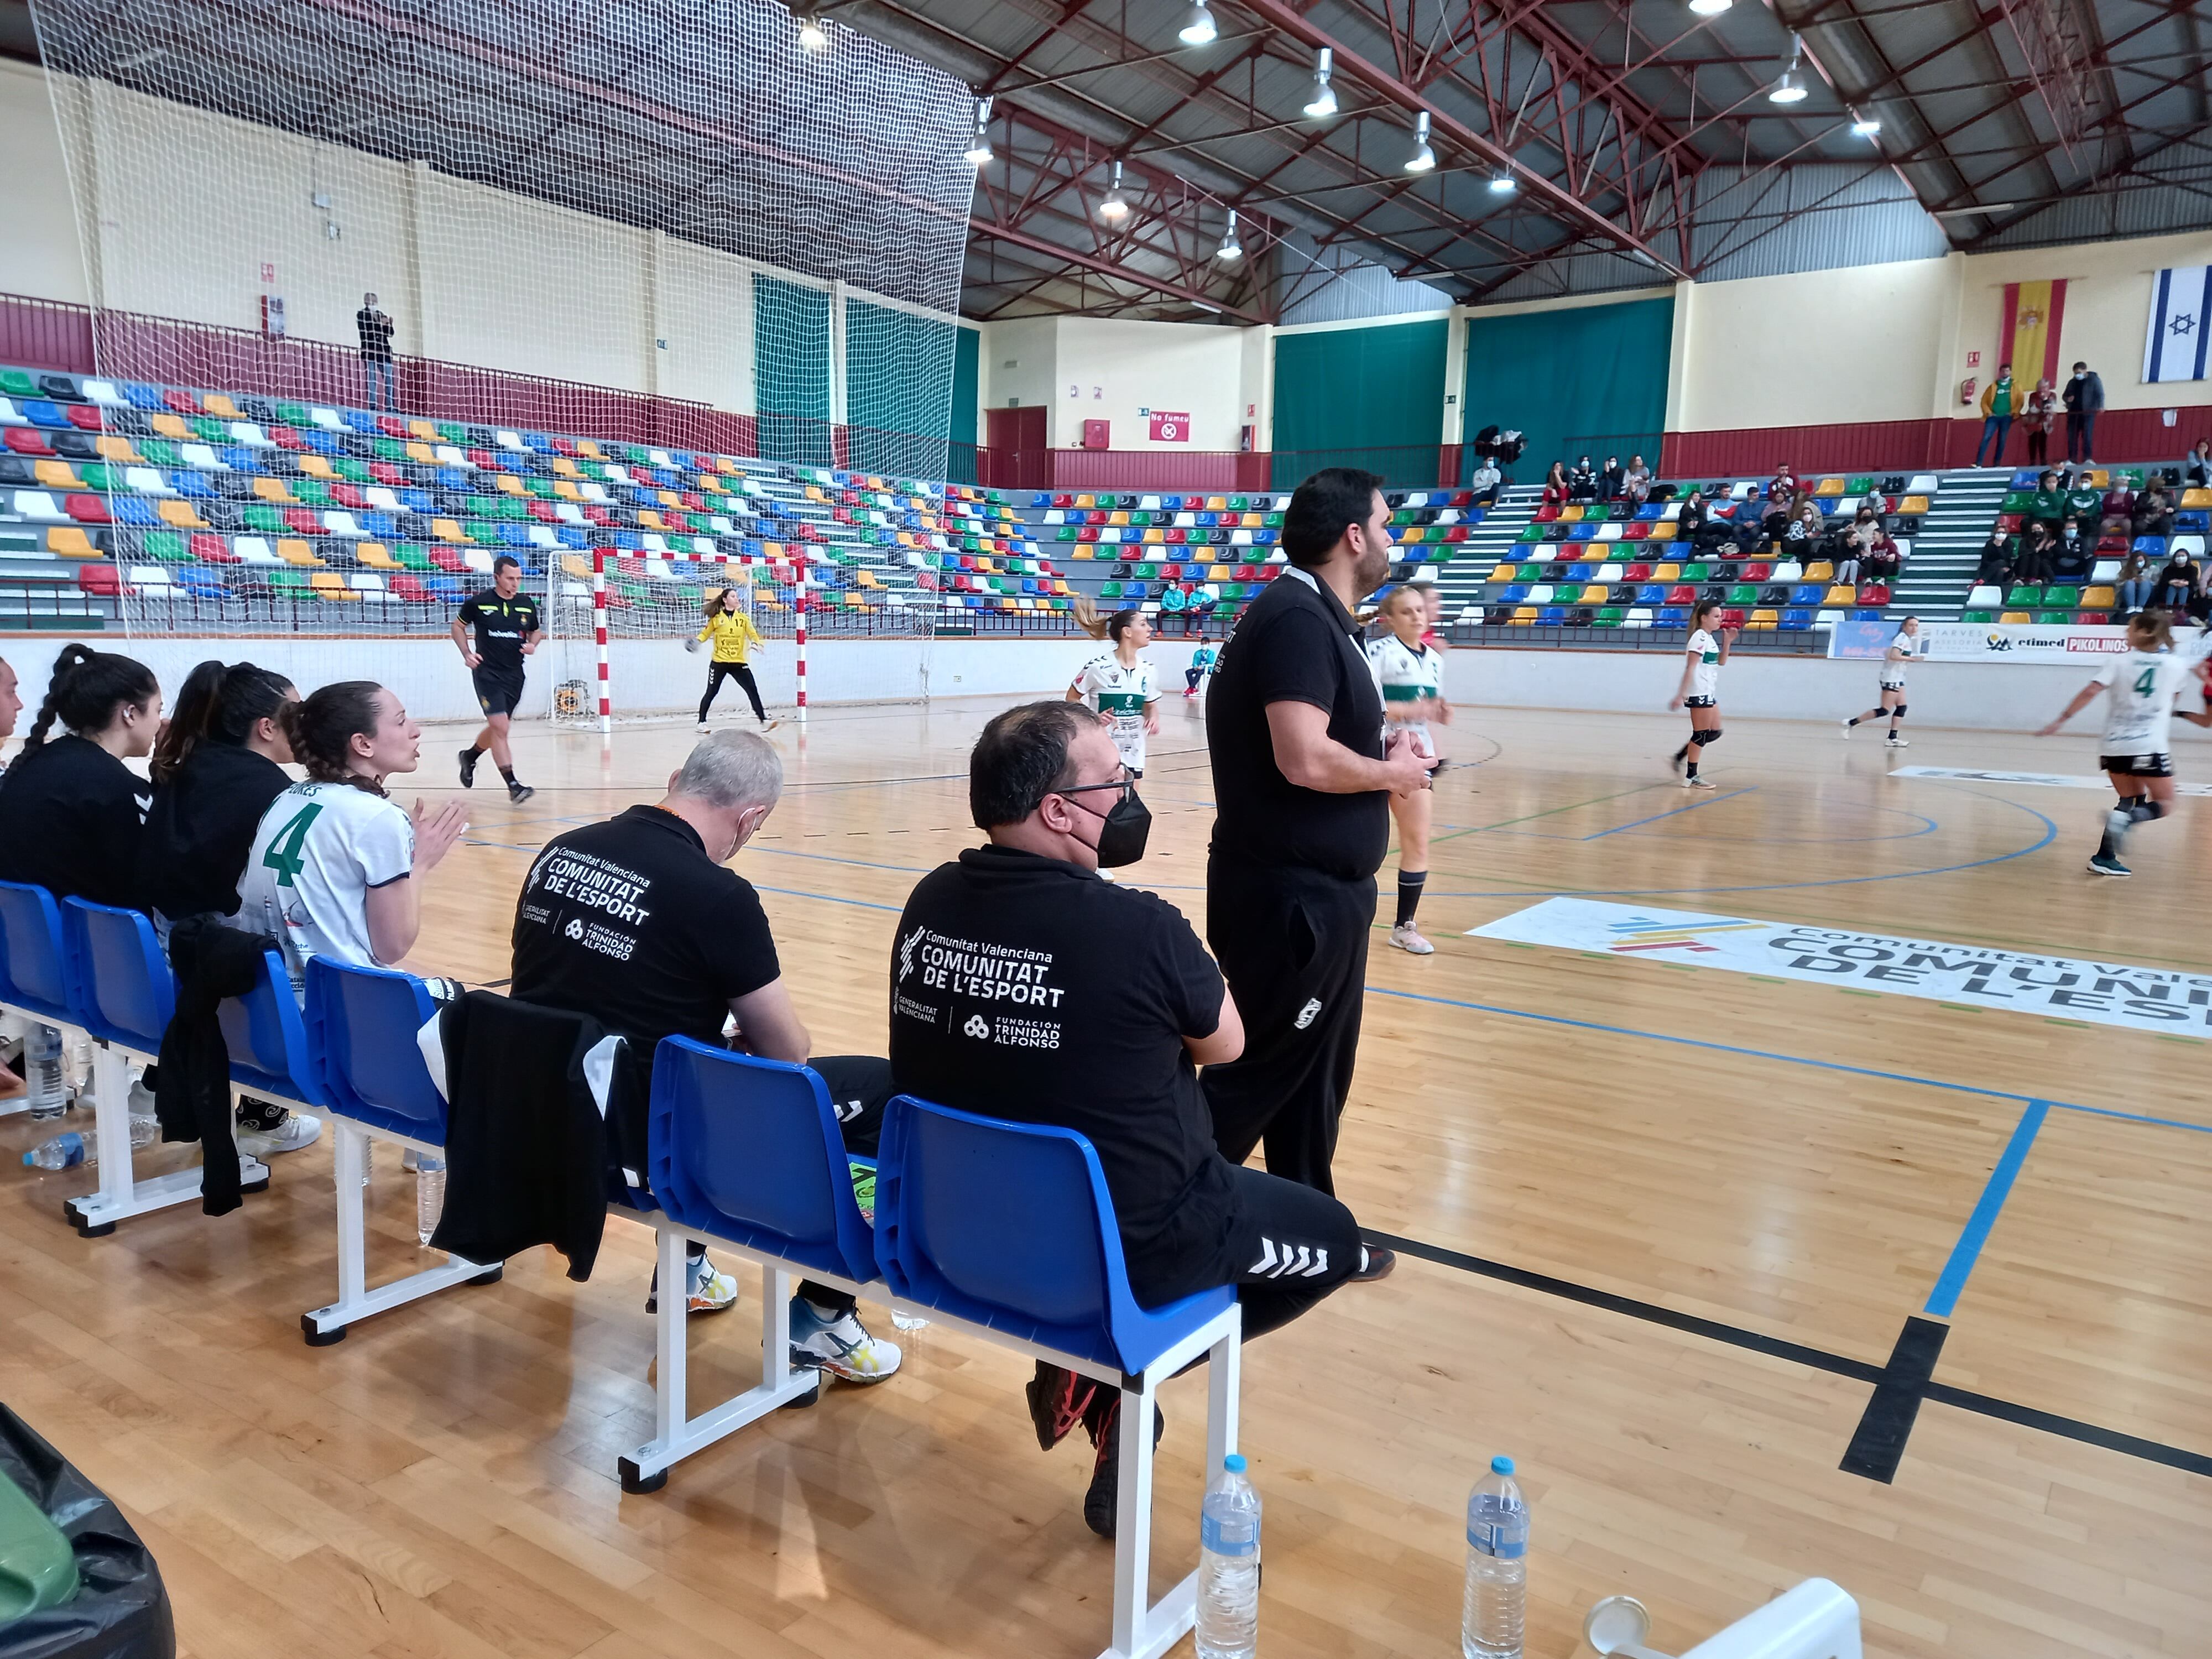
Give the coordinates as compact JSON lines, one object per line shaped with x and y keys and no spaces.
{"x":830,"y":898}
{"x":1671,"y":812}
{"x":1968,"y":1249}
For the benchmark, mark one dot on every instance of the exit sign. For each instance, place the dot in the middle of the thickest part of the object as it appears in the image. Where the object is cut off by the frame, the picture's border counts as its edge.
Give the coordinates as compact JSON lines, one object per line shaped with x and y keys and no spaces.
{"x":1170,"y":427}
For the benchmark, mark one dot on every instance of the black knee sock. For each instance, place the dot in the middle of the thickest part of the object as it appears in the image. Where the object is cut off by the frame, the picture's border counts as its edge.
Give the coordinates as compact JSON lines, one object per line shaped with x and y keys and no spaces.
{"x":472,"y":752}
{"x":1410,"y":883}
{"x":1690,"y":769}
{"x":507,"y":772}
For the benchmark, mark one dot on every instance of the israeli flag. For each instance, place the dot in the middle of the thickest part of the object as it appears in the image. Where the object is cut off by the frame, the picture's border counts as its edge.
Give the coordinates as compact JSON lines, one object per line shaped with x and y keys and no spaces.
{"x":2180,"y":321}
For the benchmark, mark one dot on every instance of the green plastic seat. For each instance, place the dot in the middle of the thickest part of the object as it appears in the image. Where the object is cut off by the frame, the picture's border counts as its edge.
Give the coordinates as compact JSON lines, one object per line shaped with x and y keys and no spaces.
{"x":294,"y":415}
{"x":97,"y":476}
{"x":353,"y":472}
{"x":1744,"y":593}
{"x":413,"y":557}
{"x":2016,"y":501}
{"x":260,"y":516}
{"x":208,"y":429}
{"x":2062,"y":599}
{"x":293,"y":581}
{"x":2023,"y":598}
{"x":1858,"y":484}
{"x":16,"y":384}
{"x":1697,"y":573}
{"x":162,"y":452}
{"x":1983,"y":617}
{"x":2053,"y":618}
{"x":390,"y":449}
{"x":168,"y":546}
{"x":1610,"y":617}
{"x":312,"y":492}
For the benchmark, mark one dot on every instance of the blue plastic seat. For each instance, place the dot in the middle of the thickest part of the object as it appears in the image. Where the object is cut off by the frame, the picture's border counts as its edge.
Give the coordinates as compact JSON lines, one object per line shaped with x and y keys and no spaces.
{"x":2151,"y":546}
{"x":39,"y":412}
{"x":361,"y":1024}
{"x":1807,"y":593}
{"x":185,"y":482}
{"x":133,"y":510}
{"x":360,"y":420}
{"x":1553,"y":615}
{"x":749,"y":1150}
{"x":954,"y":1192}
{"x":1796,"y":619}
{"x":1650,"y":593}
{"x":2196,"y":521}
{"x":121,"y":985}
{"x":1516,"y":594}
{"x":1673,"y":615}
{"x":145,"y":397}
{"x":1581,"y":573}
{"x":34,"y":974}
{"x":268,"y":1039}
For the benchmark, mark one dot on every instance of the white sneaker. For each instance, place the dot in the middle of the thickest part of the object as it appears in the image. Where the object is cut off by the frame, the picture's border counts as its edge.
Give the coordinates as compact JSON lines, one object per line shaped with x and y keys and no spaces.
{"x":712,"y":1290}
{"x":702,"y":726}
{"x":839,"y":1346}
{"x":287,"y":1134}
{"x":1898,"y":742}
{"x":1407,"y":939}
{"x":1847,"y":730}
{"x":1698,"y":783}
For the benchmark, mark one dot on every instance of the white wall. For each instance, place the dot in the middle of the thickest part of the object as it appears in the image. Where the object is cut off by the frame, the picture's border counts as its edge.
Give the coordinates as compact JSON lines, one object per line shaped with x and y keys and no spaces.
{"x":1020,"y":361}
{"x":1110,"y":370}
{"x":38,"y":251}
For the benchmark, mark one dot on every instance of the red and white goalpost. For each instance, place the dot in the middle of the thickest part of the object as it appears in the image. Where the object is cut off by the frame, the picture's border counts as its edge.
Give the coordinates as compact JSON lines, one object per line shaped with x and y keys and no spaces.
{"x":802,"y":580}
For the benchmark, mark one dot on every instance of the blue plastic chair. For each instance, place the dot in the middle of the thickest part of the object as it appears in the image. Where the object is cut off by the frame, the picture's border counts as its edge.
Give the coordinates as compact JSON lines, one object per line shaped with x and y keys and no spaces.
{"x":121,"y":986}
{"x":34,"y":974}
{"x":1009,"y":1227}
{"x":268,"y":1039}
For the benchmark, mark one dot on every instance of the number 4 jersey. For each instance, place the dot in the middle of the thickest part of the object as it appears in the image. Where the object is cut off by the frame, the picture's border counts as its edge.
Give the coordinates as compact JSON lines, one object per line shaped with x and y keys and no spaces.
{"x":2141,"y":689}
{"x":319,"y":849}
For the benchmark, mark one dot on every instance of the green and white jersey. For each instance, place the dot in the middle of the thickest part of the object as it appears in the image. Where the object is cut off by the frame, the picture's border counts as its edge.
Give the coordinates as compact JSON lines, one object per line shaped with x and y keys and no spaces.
{"x":1408,"y":676}
{"x":1120,"y":694}
{"x":1705,"y":675}
{"x":319,"y":849}
{"x":2141,"y":687}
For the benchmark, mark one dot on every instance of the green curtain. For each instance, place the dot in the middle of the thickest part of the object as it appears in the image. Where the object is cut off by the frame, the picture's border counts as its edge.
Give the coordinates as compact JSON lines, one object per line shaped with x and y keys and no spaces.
{"x":967,"y":373}
{"x":791,"y":371}
{"x":1592,"y":378}
{"x":1360,"y":397}
{"x":901,"y":374}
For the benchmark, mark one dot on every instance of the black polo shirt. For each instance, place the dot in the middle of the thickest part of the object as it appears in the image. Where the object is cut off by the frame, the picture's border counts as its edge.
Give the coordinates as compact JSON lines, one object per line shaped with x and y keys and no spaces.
{"x":1297,"y":643}
{"x":71,"y":817}
{"x":501,"y":626}
{"x":631,"y":922}
{"x":1026,"y":987}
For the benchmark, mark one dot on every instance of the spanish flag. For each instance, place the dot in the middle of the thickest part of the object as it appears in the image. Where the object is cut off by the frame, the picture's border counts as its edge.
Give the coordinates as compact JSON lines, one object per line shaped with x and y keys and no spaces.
{"x":2032,"y":313}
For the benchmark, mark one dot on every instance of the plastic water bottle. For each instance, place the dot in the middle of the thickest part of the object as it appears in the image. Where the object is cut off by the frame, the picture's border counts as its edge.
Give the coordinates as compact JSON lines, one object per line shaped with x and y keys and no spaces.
{"x":429,"y":1197}
{"x":42,"y":1071}
{"x":1491,"y":1615}
{"x":63,"y":1151}
{"x":1229,"y":1566}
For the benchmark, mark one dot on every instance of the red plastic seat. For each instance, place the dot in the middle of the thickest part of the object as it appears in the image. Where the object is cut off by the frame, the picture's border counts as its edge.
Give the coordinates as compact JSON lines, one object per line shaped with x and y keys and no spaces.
{"x":1063,"y":501}
{"x":481,"y":458}
{"x":392,"y":427}
{"x":212,"y":550}
{"x":1758,"y":571}
{"x":409,"y":587}
{"x":1637,"y":572}
{"x":183,"y":402}
{"x":99,"y":580}
{"x":446,"y":559}
{"x":599,"y":514}
{"x":385,"y":473}
{"x":1875,"y":594}
{"x":28,"y":441}
{"x":1732,"y":618}
{"x":348,"y":495}
{"x":285,"y":438}
{"x":1456,"y":533}
{"x":302,"y":521}
{"x":1547,"y":513}
{"x":86,"y":509}
{"x":1682,"y":594}
{"x":543,"y":513}
{"x":565,"y":446}
{"x":85,"y":417}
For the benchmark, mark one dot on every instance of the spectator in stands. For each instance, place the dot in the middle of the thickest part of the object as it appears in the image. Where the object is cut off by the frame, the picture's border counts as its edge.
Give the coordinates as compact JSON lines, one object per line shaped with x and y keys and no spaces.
{"x":2134,"y":585}
{"x":2037,"y":551}
{"x":1784,"y":484}
{"x":374,"y":324}
{"x":1135,"y":1006}
{"x":1557,"y":489}
{"x":1995,"y":567}
{"x":71,"y":813}
{"x":2154,"y":513}
{"x":2178,"y":591}
{"x":1612,"y":482}
{"x":219,"y":763}
{"x":2084,"y":398}
{"x":1998,"y":407}
{"x":1881,"y":558}
{"x":1582,"y":482}
{"x":2197,"y":470}
{"x":687,"y":950}
{"x":2037,"y":417}
{"x":2049,"y":503}
{"x":2119,"y":504}
{"x":1804,"y":529}
{"x":1486,"y":482}
{"x":1690,"y":522}
{"x":2071,"y":556}
{"x":1636,"y":483}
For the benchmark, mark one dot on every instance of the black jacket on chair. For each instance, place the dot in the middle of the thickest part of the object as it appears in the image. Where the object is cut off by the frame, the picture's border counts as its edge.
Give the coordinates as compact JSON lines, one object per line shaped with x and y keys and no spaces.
{"x":191,"y":1088}
{"x":526,"y":1145}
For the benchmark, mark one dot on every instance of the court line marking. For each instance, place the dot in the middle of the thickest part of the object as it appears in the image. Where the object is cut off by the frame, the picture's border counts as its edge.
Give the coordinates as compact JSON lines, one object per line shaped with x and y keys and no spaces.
{"x":1952,"y":1280}
{"x":1673,"y":811}
{"x":1801,"y":1353}
{"x":1877,"y":1445}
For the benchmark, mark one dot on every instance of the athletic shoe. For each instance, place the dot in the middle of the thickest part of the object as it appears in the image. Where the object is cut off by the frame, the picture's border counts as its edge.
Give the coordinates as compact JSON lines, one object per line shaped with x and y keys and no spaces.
{"x":2106,"y":864}
{"x":519,"y":792}
{"x":1699,"y":783}
{"x":702,"y":726}
{"x":1375,"y":1263}
{"x":770,"y":725}
{"x":1848,"y":725}
{"x":839,"y":1346}
{"x":1407,"y":939}
{"x":712,"y":1290}
{"x":1059,"y":1400}
{"x":469,"y":759}
{"x":1898,"y":743}
{"x":1102,"y":1498}
{"x":267,"y":1129}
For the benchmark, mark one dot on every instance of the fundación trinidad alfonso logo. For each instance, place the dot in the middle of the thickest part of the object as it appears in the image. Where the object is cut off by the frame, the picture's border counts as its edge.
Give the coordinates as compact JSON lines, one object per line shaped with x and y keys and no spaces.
{"x":1649,"y":933}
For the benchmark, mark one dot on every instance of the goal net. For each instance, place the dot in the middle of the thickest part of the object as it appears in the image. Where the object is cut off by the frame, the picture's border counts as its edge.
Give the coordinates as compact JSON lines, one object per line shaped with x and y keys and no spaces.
{"x":671,"y":226}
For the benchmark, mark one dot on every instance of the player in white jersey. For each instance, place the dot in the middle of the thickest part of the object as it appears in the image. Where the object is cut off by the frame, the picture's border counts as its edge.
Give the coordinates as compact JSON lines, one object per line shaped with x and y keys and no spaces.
{"x":1411,"y":676}
{"x":1700,"y":690}
{"x":2140,"y":684}
{"x":1890,"y":701}
{"x":332,"y":868}
{"x":1120,"y":685}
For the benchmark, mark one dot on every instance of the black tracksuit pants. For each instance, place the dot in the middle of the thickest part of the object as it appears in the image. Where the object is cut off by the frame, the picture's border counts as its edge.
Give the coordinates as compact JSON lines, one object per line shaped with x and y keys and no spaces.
{"x":743,"y":674}
{"x":1292,"y":944}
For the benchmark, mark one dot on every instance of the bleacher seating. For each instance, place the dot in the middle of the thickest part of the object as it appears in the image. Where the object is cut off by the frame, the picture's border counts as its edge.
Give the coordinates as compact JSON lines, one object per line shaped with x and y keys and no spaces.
{"x":2091,"y":597}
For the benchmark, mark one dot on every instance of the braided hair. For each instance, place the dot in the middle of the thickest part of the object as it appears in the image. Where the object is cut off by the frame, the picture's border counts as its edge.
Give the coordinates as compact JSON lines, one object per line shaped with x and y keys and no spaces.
{"x":321,"y":731}
{"x":86,"y":689}
{"x":221,"y":706}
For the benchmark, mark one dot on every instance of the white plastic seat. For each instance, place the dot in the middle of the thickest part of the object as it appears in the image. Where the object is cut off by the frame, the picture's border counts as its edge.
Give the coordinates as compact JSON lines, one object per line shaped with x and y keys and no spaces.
{"x":250,"y":434}
{"x":328,"y":419}
{"x":146,"y":481}
{"x":202,"y":458}
{"x":253,"y":549}
{"x":103,"y":392}
{"x":1923,"y":483}
{"x":40,"y":507}
{"x":339,"y":522}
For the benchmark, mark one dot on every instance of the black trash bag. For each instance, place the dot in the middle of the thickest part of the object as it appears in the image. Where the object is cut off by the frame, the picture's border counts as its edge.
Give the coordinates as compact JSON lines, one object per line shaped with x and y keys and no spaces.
{"x":120,"y":1611}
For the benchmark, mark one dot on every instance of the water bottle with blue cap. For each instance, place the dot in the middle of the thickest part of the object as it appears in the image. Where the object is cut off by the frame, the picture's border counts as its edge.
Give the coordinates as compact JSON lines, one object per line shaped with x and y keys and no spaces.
{"x":1229,"y":1566}
{"x":1493,"y":1608}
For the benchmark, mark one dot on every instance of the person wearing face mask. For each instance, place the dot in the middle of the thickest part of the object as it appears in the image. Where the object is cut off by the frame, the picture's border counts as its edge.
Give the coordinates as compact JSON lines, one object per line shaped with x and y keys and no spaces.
{"x":2070,"y":557}
{"x":1023,"y":987}
{"x":635,"y":922}
{"x":1302,"y":778}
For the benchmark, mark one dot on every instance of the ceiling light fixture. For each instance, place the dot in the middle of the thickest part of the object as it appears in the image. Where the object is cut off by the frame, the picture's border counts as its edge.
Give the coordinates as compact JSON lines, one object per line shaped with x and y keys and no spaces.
{"x":1115,"y":207}
{"x":1231,"y":250}
{"x":1790,"y":89}
{"x":1710,"y":8}
{"x":979,"y":148}
{"x":1322,"y":104}
{"x":1200,"y":30}
{"x":1503,"y":182}
{"x":812,"y":34}
{"x":1423,"y":158}
{"x":1864,"y":126}
{"x":1960,"y":212}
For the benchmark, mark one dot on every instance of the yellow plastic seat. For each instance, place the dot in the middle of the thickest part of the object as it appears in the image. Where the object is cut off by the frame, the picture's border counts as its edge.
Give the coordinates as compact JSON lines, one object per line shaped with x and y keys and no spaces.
{"x":2016,"y":616}
{"x":1829,"y":487}
{"x":69,"y":540}
{"x":1594,"y":595}
{"x":426,"y":430}
{"x":180,"y":515}
{"x":167,"y":425}
{"x":217,"y":404}
{"x":56,"y":475}
{"x":373,"y":554}
{"x":1666,"y":572}
{"x":1764,"y":619}
{"x":563,"y":467}
{"x":1820,"y":570}
{"x":293,"y":551}
{"x":567,"y":491}
{"x":1913,"y":505}
{"x":2192,"y":498}
{"x":328,"y":585}
{"x":577,"y":566}
{"x":1665,"y":530}
{"x":508,"y":484}
{"x":446,"y":531}
{"x":648,"y":519}
{"x":1841,"y":593}
{"x":420,"y":454}
{"x":2098,"y":599}
{"x":1523,"y":617}
{"x":316,"y":467}
{"x":591,"y":452}
{"x":1571,"y":513}
{"x":114,"y":447}
{"x":276,"y":490}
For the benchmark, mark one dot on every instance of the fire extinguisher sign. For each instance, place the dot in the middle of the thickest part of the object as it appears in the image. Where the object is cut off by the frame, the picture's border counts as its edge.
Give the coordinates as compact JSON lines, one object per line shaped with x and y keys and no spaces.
{"x":1169,"y":428}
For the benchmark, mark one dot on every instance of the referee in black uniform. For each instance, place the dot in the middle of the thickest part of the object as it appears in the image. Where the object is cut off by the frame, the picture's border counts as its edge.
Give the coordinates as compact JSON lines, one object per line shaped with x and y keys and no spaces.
{"x":508,"y":629}
{"x":1302,"y":784}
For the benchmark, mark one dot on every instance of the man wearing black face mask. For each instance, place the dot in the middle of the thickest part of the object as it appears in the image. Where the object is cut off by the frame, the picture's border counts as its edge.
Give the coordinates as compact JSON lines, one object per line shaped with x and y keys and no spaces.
{"x":1023,"y":987}
{"x":1302,"y":779}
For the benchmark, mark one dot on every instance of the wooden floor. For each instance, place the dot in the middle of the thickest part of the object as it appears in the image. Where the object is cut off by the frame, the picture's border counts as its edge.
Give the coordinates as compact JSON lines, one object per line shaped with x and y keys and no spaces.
{"x":1726,"y":1196}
